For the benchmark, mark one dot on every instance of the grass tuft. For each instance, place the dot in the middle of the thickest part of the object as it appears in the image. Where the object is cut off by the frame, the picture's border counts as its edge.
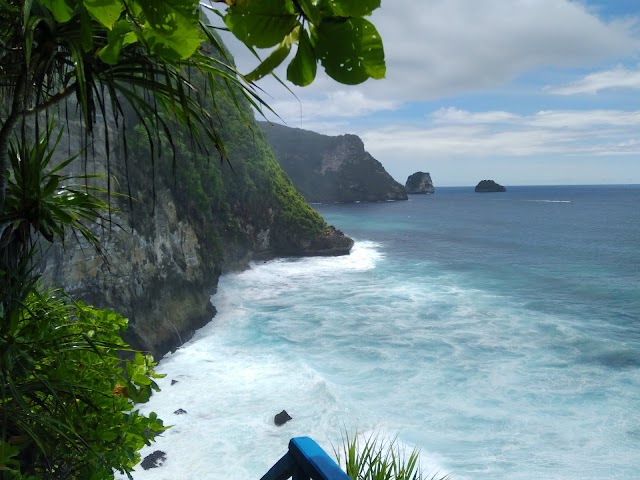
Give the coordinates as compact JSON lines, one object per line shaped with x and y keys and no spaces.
{"x":373,"y":458}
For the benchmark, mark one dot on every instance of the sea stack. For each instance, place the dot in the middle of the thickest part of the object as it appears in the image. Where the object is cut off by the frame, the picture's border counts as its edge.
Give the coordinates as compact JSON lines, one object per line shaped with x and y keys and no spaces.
{"x":419,"y":182}
{"x":489,"y":186}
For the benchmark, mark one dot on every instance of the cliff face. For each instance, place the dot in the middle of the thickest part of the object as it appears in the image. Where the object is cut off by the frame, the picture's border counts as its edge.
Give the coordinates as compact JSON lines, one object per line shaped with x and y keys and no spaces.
{"x":187,"y":223}
{"x":419,"y":182}
{"x":160,"y":274}
{"x":328,"y":169}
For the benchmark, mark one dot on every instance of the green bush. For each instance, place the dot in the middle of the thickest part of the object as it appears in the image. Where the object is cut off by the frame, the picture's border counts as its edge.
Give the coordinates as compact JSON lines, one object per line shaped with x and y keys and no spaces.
{"x":67,"y":398}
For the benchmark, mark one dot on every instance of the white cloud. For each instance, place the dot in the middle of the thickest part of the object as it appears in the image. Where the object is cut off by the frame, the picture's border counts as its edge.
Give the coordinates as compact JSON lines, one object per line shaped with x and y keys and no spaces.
{"x":591,"y":119}
{"x":444,"y":47}
{"x":338,"y":104}
{"x":455,"y":115}
{"x":441,"y":48}
{"x":593,"y":83}
{"x":554,"y":119}
{"x":456,"y":137}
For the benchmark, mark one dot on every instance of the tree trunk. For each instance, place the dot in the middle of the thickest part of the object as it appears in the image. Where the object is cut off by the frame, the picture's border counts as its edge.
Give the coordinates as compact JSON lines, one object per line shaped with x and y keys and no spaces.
{"x":17,"y":107}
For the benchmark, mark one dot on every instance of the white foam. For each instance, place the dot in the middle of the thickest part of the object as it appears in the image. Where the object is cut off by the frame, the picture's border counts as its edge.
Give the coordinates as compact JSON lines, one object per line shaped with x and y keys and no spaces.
{"x":363,"y":342}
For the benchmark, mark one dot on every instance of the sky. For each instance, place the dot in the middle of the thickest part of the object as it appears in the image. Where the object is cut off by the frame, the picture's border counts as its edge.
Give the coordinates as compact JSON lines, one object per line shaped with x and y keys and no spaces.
{"x":524,"y":92}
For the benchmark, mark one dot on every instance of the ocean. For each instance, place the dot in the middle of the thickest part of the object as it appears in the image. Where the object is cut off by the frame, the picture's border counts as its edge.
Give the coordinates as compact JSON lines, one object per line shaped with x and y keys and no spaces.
{"x":498,"y":333}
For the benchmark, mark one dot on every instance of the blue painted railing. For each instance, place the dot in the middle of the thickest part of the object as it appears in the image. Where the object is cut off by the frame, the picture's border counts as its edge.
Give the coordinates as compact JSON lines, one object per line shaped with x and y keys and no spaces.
{"x":305,"y":460}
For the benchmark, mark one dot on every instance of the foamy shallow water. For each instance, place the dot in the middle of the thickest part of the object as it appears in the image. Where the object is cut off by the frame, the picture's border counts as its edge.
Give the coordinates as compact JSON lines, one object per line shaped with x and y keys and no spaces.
{"x":232,"y":385}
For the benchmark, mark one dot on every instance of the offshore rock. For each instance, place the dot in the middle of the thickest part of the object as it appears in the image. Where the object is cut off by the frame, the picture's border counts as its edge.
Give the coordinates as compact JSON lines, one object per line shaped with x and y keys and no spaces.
{"x":281,"y":418}
{"x":419,"y":182}
{"x":327,"y":169}
{"x":486,"y":186}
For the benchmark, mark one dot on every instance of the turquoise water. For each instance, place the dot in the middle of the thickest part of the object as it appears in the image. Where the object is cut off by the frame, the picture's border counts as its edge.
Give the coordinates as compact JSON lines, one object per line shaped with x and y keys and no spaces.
{"x":499,"y":333}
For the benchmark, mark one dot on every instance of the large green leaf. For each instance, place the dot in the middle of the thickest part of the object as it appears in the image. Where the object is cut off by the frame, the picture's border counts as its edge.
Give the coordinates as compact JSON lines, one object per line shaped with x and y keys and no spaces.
{"x":302,"y":69}
{"x":350,"y":8}
{"x":261,"y":23}
{"x":275,"y":58}
{"x":106,"y":12}
{"x":111,"y":52}
{"x":175,"y":27}
{"x":311,"y":11}
{"x":62,"y":9}
{"x":350,"y":50}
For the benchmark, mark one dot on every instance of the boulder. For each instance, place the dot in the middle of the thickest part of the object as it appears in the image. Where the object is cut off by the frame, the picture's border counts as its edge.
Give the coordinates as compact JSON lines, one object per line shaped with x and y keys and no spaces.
{"x":154,"y":460}
{"x":281,"y":418}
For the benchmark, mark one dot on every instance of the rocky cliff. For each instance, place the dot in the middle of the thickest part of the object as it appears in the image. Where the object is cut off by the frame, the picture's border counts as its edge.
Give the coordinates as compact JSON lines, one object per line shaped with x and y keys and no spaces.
{"x":186,"y":222}
{"x":328,"y":169}
{"x":419,"y":182}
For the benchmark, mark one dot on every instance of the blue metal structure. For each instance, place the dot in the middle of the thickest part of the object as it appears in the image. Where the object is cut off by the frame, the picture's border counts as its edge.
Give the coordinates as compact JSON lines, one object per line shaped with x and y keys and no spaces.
{"x":305,"y":460}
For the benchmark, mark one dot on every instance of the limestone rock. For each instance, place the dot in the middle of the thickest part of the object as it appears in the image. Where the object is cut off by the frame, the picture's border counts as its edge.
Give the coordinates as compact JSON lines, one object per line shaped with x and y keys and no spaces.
{"x":489,"y":186}
{"x":327,"y":169}
{"x":419,"y":182}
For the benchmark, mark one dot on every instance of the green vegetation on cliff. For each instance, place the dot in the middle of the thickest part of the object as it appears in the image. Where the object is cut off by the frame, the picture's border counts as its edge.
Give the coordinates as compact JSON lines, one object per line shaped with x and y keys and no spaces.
{"x":234,"y":198}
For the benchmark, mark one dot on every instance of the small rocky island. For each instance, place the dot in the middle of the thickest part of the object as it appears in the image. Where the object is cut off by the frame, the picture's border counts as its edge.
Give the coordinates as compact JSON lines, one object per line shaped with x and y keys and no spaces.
{"x":420,"y":182}
{"x":489,"y":186}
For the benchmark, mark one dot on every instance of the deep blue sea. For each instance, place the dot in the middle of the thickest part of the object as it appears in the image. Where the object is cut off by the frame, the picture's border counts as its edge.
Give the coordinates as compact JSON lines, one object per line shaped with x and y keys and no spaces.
{"x":499,"y":333}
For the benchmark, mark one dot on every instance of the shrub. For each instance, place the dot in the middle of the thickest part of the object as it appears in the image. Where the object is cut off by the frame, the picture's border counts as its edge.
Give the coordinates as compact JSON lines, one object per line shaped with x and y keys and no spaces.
{"x":67,"y":398}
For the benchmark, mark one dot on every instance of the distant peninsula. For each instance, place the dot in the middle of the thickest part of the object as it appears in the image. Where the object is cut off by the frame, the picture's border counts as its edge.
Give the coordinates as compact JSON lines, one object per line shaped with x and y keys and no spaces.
{"x":326,"y":169}
{"x":489,"y":186}
{"x":419,"y":182}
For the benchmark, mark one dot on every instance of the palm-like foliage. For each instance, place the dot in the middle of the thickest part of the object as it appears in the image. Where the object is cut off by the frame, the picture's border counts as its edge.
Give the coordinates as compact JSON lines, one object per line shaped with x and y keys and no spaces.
{"x":373,"y":458}
{"x":41,"y":201}
{"x":110,"y":55}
